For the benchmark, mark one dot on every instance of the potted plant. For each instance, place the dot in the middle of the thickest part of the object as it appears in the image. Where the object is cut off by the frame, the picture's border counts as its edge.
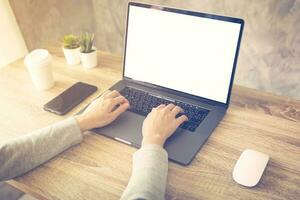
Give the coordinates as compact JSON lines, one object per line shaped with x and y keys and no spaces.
{"x":71,"y":49}
{"x":88,"y":53}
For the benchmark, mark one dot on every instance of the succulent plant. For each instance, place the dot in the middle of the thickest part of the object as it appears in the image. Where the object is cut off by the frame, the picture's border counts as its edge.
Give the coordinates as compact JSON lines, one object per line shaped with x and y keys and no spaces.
{"x":86,"y":41}
{"x":71,"y":42}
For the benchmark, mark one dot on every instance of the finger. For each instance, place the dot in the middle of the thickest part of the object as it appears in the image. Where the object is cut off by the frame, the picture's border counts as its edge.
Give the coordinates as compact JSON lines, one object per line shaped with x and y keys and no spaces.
{"x":159,"y":107}
{"x":112,"y":94}
{"x":119,"y":110}
{"x":176,"y":110}
{"x":181,"y":119}
{"x":119,"y":100}
{"x":125,"y":99}
{"x":169,"y":107}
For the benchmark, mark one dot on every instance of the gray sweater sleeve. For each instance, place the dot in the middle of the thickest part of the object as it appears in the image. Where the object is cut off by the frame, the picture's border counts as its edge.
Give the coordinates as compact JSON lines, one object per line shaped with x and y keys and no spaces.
{"x":19,"y":155}
{"x":149,"y":174}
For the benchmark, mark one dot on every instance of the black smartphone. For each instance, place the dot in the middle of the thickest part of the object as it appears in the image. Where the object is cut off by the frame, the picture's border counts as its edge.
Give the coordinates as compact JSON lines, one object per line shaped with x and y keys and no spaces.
{"x":70,"y":98}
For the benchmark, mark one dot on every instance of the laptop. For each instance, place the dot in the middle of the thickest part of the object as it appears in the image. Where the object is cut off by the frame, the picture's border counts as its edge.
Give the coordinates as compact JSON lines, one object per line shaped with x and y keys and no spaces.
{"x":176,"y":56}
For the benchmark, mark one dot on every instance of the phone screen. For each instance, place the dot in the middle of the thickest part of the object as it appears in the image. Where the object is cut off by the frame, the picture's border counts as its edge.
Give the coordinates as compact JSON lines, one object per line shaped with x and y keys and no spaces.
{"x":70,"y":98}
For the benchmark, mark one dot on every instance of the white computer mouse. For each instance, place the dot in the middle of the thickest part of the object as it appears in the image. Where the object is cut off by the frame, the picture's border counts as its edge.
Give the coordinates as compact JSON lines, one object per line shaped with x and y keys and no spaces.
{"x":250,"y":167}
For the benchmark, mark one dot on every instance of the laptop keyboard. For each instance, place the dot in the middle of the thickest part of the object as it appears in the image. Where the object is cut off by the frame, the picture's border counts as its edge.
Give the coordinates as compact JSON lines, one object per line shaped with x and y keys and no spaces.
{"x":142,"y":102}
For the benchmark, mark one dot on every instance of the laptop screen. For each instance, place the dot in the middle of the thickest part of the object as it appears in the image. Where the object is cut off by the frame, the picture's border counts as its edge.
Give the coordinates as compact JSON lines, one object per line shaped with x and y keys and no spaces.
{"x":178,"y":50}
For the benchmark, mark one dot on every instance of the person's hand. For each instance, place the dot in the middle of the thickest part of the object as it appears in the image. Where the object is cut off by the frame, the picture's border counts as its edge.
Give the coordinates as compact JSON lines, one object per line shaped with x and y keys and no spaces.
{"x":161,"y":123}
{"x":102,"y":111}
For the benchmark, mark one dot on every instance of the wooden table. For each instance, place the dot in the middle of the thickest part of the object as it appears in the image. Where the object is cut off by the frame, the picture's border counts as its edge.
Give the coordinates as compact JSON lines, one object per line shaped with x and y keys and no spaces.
{"x":99,"y":168}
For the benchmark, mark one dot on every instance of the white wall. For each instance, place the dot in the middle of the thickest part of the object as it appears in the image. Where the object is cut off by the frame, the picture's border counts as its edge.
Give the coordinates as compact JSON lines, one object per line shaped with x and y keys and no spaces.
{"x":12,"y":45}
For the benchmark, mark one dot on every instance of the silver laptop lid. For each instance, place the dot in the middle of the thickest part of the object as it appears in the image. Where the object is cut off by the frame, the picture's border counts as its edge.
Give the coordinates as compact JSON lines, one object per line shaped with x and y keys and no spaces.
{"x":186,"y":51}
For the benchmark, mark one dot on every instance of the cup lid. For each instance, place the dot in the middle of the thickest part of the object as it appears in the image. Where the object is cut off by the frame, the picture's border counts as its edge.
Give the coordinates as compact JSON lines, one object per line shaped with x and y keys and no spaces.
{"x":38,"y":57}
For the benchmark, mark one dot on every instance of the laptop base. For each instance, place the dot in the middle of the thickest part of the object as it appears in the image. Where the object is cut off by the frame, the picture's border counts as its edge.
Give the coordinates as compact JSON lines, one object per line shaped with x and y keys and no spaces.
{"x":182,"y":146}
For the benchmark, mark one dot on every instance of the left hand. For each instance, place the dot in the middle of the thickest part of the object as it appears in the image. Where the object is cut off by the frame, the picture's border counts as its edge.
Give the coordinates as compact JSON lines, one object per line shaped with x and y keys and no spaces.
{"x":102,"y":111}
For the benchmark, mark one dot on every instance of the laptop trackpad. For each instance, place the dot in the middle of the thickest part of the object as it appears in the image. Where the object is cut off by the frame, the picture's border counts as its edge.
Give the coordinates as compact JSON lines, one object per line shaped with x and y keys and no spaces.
{"x":127,"y":127}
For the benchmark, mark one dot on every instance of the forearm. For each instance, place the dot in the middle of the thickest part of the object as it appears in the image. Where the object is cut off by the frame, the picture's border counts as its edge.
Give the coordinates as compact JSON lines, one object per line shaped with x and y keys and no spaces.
{"x":149,"y":174}
{"x":19,"y":155}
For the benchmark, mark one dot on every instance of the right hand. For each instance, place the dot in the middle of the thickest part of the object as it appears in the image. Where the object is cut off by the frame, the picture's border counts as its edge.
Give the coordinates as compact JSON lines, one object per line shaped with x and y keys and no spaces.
{"x":161,"y":123}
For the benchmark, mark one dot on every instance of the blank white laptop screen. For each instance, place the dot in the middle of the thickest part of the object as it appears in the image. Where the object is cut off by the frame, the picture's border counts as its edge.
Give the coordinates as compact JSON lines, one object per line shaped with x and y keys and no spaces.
{"x":190,"y":54}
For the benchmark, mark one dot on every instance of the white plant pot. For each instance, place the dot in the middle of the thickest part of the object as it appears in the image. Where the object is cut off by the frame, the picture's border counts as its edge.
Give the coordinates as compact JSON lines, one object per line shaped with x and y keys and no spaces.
{"x":72,"y":56}
{"x":89,"y":60}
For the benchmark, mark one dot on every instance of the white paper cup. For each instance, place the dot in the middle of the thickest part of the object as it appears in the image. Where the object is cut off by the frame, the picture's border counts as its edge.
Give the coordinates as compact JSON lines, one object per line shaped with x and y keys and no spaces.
{"x":38,"y":63}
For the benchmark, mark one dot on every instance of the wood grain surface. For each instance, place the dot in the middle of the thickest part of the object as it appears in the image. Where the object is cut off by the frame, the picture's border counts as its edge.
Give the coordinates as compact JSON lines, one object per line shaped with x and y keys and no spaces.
{"x":99,"y":168}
